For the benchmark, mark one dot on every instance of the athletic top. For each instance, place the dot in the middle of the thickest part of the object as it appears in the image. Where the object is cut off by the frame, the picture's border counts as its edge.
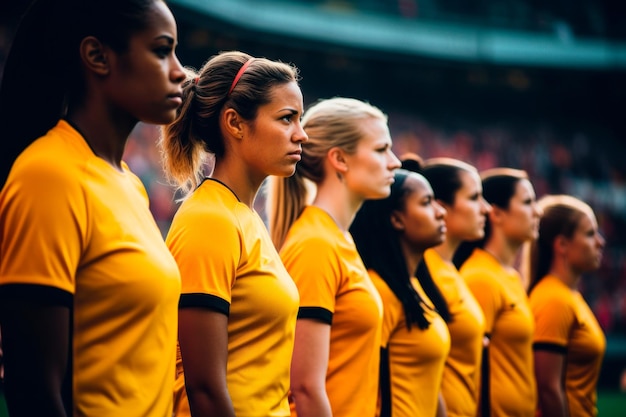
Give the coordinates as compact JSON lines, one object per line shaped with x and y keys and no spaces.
{"x":565,"y":324}
{"x":461,"y":375}
{"x":510,"y":326}
{"x":77,"y":232}
{"x":228,"y":263}
{"x":412,"y":361}
{"x":335,"y":288}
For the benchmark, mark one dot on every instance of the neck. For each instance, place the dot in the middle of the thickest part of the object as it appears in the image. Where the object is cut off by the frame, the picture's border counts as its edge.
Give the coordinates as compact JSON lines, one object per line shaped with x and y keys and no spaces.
{"x":412,"y":256}
{"x":504,"y":252}
{"x":106,"y":137}
{"x":447,"y":248}
{"x":236,"y":177}
{"x":565,"y":274}
{"x":337,"y":202}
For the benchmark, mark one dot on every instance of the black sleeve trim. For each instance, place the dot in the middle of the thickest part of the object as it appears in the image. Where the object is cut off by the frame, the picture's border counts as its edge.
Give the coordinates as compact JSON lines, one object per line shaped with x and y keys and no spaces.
{"x":385,"y":384}
{"x":316,"y":313}
{"x":550,"y":347}
{"x":485,"y":386}
{"x":205,"y":301}
{"x":37,"y":293}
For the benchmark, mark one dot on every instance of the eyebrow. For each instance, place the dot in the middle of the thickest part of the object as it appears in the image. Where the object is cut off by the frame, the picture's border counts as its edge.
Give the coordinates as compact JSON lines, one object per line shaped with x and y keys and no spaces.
{"x":168,"y":38}
{"x":289,"y":109}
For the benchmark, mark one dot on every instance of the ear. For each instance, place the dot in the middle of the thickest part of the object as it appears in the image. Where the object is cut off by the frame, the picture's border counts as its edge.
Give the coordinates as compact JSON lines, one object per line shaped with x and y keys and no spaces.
{"x":560,"y":245}
{"x":337,"y":158}
{"x":233,"y":123}
{"x":495,"y":215}
{"x":396,"y":221}
{"x":94,"y":55}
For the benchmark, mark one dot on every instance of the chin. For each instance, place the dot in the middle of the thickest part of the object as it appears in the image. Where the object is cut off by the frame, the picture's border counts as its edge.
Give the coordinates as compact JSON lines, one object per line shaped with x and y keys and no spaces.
{"x":478,"y":235}
{"x":284,"y":172}
{"x":382,"y":193}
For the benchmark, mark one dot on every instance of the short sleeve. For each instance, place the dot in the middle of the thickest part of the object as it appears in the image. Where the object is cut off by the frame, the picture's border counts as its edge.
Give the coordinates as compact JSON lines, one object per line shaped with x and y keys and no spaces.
{"x":486,"y":292}
{"x":314,"y":266}
{"x":554,"y":318}
{"x":43,"y":214}
{"x":206,"y":243}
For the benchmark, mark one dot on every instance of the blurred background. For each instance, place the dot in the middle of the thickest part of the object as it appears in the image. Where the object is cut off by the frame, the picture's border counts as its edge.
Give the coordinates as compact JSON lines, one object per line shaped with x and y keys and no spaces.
{"x":535,"y":85}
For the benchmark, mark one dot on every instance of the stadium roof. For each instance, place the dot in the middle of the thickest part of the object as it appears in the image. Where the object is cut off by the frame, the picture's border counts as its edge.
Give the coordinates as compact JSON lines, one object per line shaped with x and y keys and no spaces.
{"x":440,"y":40}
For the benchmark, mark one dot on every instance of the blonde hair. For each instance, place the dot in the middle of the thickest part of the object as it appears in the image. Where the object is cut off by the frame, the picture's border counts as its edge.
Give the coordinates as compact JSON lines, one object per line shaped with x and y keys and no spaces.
{"x":195,"y":135}
{"x":329,"y":123}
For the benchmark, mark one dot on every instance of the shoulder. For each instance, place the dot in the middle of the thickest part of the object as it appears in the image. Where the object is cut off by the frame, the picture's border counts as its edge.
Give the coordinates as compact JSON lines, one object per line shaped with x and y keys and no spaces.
{"x":552,"y":294}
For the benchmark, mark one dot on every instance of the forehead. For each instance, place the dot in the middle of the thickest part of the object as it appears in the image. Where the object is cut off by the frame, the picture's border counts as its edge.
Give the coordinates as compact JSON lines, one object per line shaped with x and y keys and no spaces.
{"x":524,"y":189}
{"x":375,"y":131}
{"x":159,"y":21}
{"x":417,"y":185}
{"x":470,"y":180}
{"x":587,"y":220}
{"x":286,"y":95}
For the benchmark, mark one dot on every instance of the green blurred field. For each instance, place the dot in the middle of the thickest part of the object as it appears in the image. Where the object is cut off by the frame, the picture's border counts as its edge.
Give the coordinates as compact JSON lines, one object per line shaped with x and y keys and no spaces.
{"x":611,"y":404}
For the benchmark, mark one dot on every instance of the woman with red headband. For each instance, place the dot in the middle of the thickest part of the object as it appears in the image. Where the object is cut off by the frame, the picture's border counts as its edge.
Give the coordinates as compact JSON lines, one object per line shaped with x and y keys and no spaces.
{"x":238,"y":307}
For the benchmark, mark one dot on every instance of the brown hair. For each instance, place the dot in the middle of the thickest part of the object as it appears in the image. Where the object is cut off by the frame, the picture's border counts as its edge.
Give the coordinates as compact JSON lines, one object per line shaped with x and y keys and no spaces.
{"x":195,"y":135}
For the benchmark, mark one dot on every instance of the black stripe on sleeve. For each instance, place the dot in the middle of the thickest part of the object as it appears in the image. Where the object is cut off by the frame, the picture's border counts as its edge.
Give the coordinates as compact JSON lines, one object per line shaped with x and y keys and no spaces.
{"x":550,"y":347}
{"x":205,"y":301}
{"x":385,"y":384}
{"x":40,"y":294}
{"x":485,"y":392}
{"x":316,"y":313}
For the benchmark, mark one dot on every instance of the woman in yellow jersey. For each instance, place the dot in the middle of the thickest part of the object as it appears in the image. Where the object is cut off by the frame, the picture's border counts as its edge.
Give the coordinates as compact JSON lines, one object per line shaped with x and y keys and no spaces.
{"x":88,"y":289}
{"x":391,"y":235}
{"x":568,"y":343}
{"x":238,"y":306}
{"x":458,"y":189}
{"x":507,"y":380}
{"x":346,"y":160}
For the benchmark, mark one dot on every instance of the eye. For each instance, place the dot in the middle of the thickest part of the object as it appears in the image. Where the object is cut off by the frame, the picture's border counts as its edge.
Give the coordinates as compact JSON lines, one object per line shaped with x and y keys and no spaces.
{"x":475,"y":197}
{"x":163,"y":51}
{"x":289,"y":117}
{"x":384,"y":148}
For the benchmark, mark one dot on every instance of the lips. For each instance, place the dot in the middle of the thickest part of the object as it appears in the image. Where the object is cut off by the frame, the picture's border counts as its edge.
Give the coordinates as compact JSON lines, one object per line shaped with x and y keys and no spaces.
{"x":176,"y":97}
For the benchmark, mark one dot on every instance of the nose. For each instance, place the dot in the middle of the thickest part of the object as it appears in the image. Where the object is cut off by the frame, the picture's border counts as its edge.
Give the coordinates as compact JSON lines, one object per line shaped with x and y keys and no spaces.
{"x":177,"y":72}
{"x":394,"y":162}
{"x":537,"y":211}
{"x":600,"y":240}
{"x":440,"y":210}
{"x":299,"y":135}
{"x":485,"y":206}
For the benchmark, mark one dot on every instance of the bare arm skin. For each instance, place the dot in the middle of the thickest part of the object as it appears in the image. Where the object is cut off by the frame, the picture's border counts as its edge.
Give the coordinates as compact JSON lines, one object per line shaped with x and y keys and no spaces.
{"x":308,"y":368}
{"x":549,"y":369}
{"x":36,"y":343}
{"x":203,"y":338}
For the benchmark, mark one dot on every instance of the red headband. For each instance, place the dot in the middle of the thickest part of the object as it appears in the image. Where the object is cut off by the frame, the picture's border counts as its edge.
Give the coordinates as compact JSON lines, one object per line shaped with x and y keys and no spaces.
{"x":239,"y":74}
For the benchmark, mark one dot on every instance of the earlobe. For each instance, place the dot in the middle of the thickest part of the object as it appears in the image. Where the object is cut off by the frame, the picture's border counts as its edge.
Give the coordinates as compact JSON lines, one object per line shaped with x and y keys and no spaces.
{"x":94,"y":55}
